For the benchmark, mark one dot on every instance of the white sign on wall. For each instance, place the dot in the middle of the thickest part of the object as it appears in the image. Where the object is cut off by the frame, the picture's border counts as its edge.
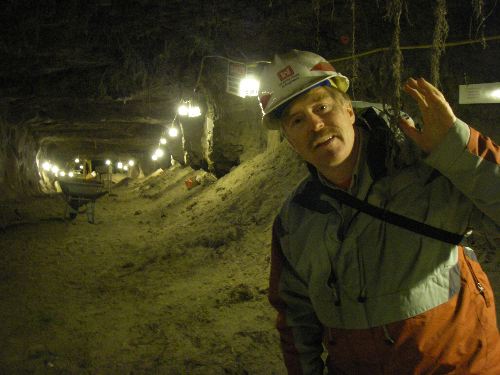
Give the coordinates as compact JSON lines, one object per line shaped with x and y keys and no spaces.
{"x":242,"y":79}
{"x":235,"y":73}
{"x":479,"y":93}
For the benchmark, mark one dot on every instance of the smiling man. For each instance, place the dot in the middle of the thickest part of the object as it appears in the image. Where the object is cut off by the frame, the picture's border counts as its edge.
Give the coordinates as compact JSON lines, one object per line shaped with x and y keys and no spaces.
{"x":319,"y":126}
{"x":371,"y":266}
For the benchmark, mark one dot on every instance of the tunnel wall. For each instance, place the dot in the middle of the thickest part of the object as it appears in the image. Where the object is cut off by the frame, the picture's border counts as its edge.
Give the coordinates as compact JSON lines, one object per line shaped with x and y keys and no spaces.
{"x":194,"y":130}
{"x":18,"y":170}
{"x":232,"y":132}
{"x":237,"y":134}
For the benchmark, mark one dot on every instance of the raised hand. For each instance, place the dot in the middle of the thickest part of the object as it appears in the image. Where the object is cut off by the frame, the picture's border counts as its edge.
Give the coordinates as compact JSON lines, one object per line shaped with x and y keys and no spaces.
{"x":437,"y":115}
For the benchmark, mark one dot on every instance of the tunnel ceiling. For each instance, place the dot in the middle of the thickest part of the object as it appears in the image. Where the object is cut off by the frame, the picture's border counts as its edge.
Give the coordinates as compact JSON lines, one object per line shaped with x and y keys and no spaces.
{"x":106,"y":75}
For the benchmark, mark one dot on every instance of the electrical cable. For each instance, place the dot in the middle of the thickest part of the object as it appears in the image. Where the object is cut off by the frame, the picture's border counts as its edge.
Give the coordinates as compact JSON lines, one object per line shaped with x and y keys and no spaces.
{"x":362,"y":54}
{"x":383,"y":49}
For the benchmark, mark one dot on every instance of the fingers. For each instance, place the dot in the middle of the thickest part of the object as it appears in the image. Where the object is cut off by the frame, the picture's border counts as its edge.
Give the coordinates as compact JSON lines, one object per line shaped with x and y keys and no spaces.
{"x":411,"y":88}
{"x":414,"y":93}
{"x":427,"y":86}
{"x":429,"y":98}
{"x":437,"y":115}
{"x":427,"y":91}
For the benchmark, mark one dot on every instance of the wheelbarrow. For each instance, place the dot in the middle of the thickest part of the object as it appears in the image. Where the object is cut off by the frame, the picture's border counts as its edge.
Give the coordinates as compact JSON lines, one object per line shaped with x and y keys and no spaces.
{"x":81,"y":193}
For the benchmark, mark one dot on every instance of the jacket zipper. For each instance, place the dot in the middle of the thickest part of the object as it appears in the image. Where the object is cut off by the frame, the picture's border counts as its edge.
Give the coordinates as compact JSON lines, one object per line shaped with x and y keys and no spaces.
{"x":479,"y":285}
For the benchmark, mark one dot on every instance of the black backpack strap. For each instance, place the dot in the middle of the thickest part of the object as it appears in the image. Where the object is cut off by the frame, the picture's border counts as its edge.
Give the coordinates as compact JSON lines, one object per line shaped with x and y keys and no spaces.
{"x":395,"y":219}
{"x":309,"y":198}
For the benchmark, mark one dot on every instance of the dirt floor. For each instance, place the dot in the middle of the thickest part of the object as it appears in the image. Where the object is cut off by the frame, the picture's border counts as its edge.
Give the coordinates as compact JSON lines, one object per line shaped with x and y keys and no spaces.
{"x":167,"y":281}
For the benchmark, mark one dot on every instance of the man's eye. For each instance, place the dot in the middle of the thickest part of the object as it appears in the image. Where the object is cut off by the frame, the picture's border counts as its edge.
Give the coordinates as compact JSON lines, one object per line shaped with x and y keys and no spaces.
{"x":295,"y":121}
{"x":322,"y":108}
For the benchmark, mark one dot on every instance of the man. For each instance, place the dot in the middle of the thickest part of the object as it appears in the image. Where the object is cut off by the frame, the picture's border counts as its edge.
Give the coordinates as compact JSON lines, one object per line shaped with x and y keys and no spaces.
{"x":370,"y":265}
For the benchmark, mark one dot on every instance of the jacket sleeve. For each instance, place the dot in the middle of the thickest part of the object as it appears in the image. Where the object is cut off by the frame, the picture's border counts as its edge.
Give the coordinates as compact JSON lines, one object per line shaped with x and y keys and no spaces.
{"x":472,"y":163}
{"x":300,"y":331}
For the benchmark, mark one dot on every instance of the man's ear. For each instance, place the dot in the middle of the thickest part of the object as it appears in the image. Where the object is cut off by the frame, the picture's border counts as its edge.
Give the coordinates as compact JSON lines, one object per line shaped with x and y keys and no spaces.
{"x":351,"y":113}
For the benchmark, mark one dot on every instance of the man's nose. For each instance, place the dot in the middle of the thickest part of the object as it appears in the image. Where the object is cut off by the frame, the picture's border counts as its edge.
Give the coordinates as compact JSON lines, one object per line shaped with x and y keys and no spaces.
{"x":315,"y":122}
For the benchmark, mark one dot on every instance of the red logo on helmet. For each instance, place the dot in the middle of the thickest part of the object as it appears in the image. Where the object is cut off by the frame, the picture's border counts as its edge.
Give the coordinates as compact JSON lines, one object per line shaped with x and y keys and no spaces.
{"x":324,"y":66}
{"x":264,"y":99}
{"x":285,"y":73}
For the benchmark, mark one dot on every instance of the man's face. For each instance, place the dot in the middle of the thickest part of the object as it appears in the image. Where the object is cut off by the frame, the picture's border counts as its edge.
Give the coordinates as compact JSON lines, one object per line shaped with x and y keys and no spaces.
{"x":320,"y":128}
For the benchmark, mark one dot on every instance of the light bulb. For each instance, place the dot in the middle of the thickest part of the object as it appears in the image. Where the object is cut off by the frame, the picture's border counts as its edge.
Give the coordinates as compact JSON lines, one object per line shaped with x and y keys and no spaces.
{"x":495,"y":94}
{"x":194,"y":111}
{"x":159,"y":152}
{"x":173,"y":131}
{"x":183,"y":110}
{"x":249,"y":86}
{"x":46,"y":166}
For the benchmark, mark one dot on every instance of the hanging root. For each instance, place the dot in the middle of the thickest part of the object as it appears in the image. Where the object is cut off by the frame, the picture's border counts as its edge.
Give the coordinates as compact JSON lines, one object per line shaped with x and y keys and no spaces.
{"x":355,"y":62}
{"x":332,"y":13}
{"x":394,"y":10}
{"x":478,"y":9}
{"x":438,"y":43}
{"x":478,"y":16}
{"x":317,"y":11}
{"x":398,"y":154}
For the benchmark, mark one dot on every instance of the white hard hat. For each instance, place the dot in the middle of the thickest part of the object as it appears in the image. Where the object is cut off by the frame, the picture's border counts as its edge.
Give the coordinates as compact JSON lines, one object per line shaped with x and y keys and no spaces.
{"x":291,"y":74}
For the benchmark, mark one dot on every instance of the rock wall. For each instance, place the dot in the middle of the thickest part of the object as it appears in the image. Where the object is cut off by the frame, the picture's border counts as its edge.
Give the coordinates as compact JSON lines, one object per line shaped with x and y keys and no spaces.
{"x":175,"y":147}
{"x":207,"y":142}
{"x":195,"y":141}
{"x":232,"y":132}
{"x":18,"y":168}
{"x":238,"y":134}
